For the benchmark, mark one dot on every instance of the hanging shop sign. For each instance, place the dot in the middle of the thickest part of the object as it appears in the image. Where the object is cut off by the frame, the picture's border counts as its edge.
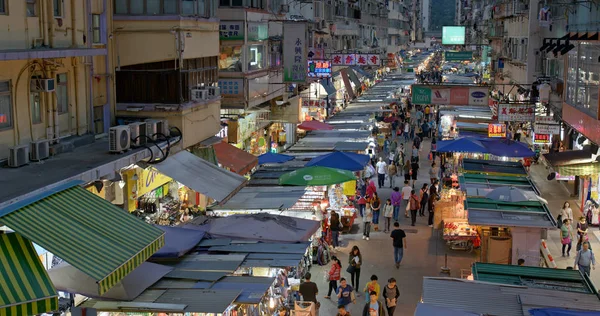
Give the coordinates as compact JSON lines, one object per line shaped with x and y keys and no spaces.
{"x":541,"y":138}
{"x":496,"y":130}
{"x":231,"y":31}
{"x":516,"y":112}
{"x":316,"y":53}
{"x":458,"y":56}
{"x":232,"y":87}
{"x":258,"y":31}
{"x":314,"y":103}
{"x":319,"y":69}
{"x":294,"y":52}
{"x":453,"y":35}
{"x":546,"y":125}
{"x":449,"y":95}
{"x":355,"y":59}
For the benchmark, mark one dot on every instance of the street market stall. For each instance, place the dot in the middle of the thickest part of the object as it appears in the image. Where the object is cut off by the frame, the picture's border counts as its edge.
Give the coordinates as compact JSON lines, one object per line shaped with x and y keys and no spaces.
{"x":491,"y":167}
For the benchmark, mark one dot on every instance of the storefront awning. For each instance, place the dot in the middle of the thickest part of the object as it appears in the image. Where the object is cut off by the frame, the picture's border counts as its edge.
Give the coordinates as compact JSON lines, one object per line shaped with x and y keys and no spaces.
{"x":353,"y":77}
{"x":201,"y":176}
{"x":88,"y":232}
{"x":573,"y":162}
{"x":347,"y":84}
{"x":328,"y":86}
{"x":25,"y":288}
{"x":362,"y":72}
{"x":234,"y":158}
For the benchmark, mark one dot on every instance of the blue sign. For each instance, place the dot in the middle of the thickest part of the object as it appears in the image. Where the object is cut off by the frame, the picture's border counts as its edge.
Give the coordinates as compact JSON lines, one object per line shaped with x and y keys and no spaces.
{"x":319,"y":69}
{"x":231,"y":86}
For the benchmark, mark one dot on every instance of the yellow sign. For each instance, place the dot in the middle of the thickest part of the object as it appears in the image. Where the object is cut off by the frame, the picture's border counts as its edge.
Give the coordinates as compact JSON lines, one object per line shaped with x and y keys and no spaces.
{"x":350,"y":188}
{"x":148,"y":180}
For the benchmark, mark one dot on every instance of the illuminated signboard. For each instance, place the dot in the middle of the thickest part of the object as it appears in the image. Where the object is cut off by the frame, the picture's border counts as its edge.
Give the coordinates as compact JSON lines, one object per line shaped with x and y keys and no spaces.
{"x":541,"y":138}
{"x":319,"y":69}
{"x":496,"y":130}
{"x":453,"y":35}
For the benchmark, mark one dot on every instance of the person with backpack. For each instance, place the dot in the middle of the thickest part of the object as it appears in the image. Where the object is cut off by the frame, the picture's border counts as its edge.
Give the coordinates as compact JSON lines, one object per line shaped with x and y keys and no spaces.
{"x":424,"y":198}
{"x":373,"y":307}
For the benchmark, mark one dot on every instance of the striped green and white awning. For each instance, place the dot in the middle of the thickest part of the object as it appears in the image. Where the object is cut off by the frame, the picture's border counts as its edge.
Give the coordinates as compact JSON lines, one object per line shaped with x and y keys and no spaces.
{"x":584,"y":169}
{"x":25,"y":288}
{"x":90,"y":233}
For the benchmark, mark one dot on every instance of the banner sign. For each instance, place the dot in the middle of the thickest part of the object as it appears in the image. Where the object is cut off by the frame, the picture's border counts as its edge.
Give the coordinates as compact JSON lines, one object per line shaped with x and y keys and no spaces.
{"x":319,"y":69}
{"x":355,"y":59}
{"x":458,"y":56}
{"x":516,"y":112}
{"x":231,"y":31}
{"x":496,"y":130}
{"x":453,"y":35}
{"x":449,"y":95}
{"x":314,"y":103}
{"x":541,"y":138}
{"x":294,"y":52}
{"x":546,"y":125}
{"x":232,"y":86}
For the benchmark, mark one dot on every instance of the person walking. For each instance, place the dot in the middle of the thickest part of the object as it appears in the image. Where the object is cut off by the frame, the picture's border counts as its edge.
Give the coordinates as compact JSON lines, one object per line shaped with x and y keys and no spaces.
{"x":566,"y":236}
{"x":407,"y":170}
{"x":431,"y":204}
{"x":345,"y":294}
{"x":406,"y":131}
{"x":406,"y":197}
{"x":414,"y":171}
{"x":585,"y":259}
{"x":582,"y":230}
{"x":376,"y":207}
{"x":373,"y":307}
{"x":373,"y":286}
{"x":414,"y":205}
{"x":566,"y":212}
{"x":434,"y":172}
{"x":393,"y":145}
{"x":381,"y":167}
{"x":388,"y":213}
{"x":399,"y":242}
{"x":392,"y":172}
{"x":354,"y":264}
{"x":396,"y":198}
{"x":424,"y":198}
{"x":309,"y":290}
{"x":367,"y":220}
{"x":391,"y":295}
{"x":335,"y":226}
{"x":335,"y":273}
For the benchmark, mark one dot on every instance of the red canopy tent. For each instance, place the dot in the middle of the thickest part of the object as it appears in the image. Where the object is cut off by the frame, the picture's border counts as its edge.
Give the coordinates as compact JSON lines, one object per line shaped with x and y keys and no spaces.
{"x":315,"y":126}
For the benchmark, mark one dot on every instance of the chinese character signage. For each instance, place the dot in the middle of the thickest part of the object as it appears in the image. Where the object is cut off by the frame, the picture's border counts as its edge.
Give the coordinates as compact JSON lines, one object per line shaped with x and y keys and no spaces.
{"x":546,"y":125}
{"x":541,"y":138}
{"x":349,"y":59}
{"x":314,"y":103}
{"x":373,"y":60}
{"x":453,"y":35}
{"x":258,"y":31}
{"x":319,"y":69}
{"x":496,"y":130}
{"x":294,"y":52}
{"x":231,"y":31}
{"x":231,"y":86}
{"x":449,"y":95}
{"x":515,"y":112}
{"x":355,"y":59}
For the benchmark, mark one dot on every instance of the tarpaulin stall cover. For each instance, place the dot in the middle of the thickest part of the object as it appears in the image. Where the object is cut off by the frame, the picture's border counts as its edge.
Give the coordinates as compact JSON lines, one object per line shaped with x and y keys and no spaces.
{"x":178,"y":241}
{"x":559,"y":312}
{"x":273,"y":158}
{"x":461,"y":145}
{"x":341,"y":160}
{"x":507,"y":148}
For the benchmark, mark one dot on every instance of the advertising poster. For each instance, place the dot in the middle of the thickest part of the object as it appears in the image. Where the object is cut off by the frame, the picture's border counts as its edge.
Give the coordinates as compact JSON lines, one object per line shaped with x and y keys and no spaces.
{"x":478,"y":96}
{"x":421,"y":95}
{"x":440,"y":96}
{"x":231,"y":31}
{"x":459,"y":96}
{"x":294,"y":52}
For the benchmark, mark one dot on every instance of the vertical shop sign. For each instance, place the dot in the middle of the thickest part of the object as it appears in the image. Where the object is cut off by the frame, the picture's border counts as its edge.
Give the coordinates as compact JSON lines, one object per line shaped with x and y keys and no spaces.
{"x":231,"y":31}
{"x":421,"y":95}
{"x":294,"y":52}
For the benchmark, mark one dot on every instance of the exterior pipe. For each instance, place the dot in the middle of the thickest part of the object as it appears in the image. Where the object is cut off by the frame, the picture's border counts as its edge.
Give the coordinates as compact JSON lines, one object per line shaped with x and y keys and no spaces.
{"x":50,"y":22}
{"x":53,"y":98}
{"x":104,"y":39}
{"x":76,"y":100}
{"x":44,"y":23}
{"x":90,"y":68}
{"x":73,"y":25}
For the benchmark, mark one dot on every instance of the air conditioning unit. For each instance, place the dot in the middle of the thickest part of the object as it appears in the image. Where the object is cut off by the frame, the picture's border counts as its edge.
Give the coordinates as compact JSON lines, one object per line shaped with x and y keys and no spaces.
{"x":42,"y":85}
{"x":18,"y":156}
{"x":119,"y":138}
{"x":155,"y":127}
{"x":284,"y":8}
{"x":138,"y":132}
{"x":39,"y":150}
{"x":214,"y":92}
{"x":199,"y":94}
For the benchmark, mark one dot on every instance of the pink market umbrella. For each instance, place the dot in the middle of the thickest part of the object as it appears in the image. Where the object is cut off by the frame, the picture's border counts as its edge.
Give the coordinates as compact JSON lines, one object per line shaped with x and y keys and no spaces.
{"x":315,"y":126}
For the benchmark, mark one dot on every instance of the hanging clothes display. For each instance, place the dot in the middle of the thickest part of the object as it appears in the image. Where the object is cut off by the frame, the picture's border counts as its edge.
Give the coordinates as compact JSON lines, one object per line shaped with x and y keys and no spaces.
{"x":545,"y":17}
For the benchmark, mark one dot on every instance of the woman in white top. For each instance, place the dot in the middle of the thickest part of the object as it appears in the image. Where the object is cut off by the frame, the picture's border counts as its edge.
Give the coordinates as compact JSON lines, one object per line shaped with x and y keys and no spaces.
{"x":567,"y":212}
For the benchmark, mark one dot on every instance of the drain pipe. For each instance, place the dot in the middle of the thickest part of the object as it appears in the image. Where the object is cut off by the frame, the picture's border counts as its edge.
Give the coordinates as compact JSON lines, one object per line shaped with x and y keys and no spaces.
{"x":50,"y":22}
{"x":76,"y":102}
{"x":73,"y":25}
{"x":107,"y":68}
{"x":44,"y":22}
{"x":90,"y":69}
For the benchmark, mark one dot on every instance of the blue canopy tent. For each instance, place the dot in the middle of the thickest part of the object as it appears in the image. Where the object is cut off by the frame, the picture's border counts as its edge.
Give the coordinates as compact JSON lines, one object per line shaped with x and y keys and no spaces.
{"x":507,"y":148}
{"x":461,"y":145}
{"x":341,"y":160}
{"x":273,"y":158}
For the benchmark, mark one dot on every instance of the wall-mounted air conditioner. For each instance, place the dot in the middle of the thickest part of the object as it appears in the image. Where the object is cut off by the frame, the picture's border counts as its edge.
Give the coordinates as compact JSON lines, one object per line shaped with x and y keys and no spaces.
{"x":18,"y":156}
{"x":199,"y":94}
{"x":138,"y":134}
{"x":119,"y":138}
{"x":42,"y":85}
{"x":39,"y":150}
{"x":155,"y":127}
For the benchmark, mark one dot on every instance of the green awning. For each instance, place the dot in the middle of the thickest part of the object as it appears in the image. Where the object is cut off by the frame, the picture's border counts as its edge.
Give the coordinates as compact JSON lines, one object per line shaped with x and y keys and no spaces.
{"x":25,"y":288}
{"x":90,"y":233}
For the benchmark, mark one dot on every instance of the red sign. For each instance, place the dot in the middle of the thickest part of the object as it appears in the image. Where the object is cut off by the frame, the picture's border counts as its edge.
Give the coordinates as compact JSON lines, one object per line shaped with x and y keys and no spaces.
{"x":496,"y":130}
{"x":314,"y":103}
{"x":361,"y":60}
{"x":459,"y":96}
{"x":583,"y":123}
{"x":542,"y":138}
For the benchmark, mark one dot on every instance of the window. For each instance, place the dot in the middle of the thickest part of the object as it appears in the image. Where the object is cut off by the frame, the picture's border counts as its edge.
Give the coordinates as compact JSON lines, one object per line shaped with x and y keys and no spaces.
{"x":136,"y":7}
{"x":201,"y":8}
{"x":583,"y":78}
{"x":275,"y":55}
{"x":96,"y":38}
{"x":230,"y":59}
{"x":62,"y":93}
{"x":36,"y":107}
{"x":5,"y":104}
{"x":58,"y":9}
{"x":256,"y":57}
{"x":193,"y":7}
{"x":3,"y":7}
{"x":31,"y":7}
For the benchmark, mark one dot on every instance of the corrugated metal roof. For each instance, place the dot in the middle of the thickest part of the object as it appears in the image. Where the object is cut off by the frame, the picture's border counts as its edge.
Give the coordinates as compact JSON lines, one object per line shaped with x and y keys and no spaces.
{"x":299,"y":248}
{"x":277,"y":263}
{"x":200,"y":301}
{"x":195,"y":275}
{"x":522,"y":214}
{"x":213,"y":263}
{"x":215,"y":242}
{"x":351,"y":146}
{"x":253,"y":288}
{"x":470,"y":296}
{"x":256,"y":198}
{"x":166,"y":283}
{"x":534,"y":277}
{"x":338,"y":134}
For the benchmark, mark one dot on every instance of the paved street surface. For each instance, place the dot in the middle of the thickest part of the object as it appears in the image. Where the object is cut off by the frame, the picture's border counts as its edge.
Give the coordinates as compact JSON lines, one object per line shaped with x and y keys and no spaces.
{"x":425,"y":251}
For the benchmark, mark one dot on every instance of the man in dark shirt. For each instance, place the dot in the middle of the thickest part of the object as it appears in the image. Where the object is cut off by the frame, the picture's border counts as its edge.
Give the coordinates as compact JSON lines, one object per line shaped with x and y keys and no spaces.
{"x":309,"y":290}
{"x":399,"y":238}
